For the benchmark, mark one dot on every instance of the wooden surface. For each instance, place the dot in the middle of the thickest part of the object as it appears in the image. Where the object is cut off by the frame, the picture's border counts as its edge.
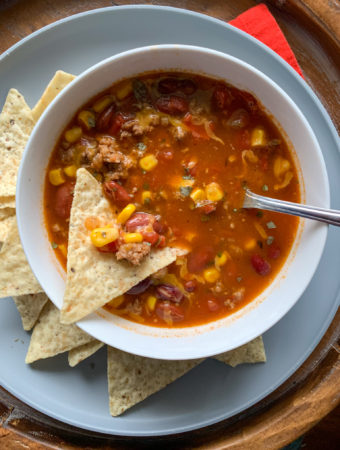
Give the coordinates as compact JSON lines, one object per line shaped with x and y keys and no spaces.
{"x":312,"y":28}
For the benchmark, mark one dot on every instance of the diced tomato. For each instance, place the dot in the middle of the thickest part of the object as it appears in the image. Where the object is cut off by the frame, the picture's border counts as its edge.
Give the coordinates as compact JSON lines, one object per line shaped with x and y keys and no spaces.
{"x":150,"y":236}
{"x":161,"y":243}
{"x":273,"y":251}
{"x":116,"y":193}
{"x":260,"y":265}
{"x":213,"y":305}
{"x":199,"y":258}
{"x":112,"y":247}
{"x":63,"y":199}
{"x":169,"y":313}
{"x":208,"y":209}
{"x":197,"y":131}
{"x":116,"y":124}
{"x":138,"y":221}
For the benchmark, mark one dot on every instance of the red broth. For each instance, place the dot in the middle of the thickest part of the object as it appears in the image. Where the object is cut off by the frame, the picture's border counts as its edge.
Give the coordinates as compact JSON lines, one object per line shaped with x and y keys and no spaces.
{"x":182,"y":148}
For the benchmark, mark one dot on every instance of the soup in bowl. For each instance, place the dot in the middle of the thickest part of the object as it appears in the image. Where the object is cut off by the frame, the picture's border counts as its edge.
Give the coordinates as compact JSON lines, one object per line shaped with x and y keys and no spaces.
{"x":169,"y":137}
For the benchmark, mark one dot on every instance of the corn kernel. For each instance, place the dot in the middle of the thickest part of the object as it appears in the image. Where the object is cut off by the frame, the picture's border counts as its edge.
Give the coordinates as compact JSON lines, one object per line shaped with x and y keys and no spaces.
{"x":146,"y":197}
{"x":56,"y":177}
{"x":151,"y":302}
{"x":104,"y":236}
{"x":71,"y":171}
{"x":117,"y":301}
{"x":232,"y":158}
{"x":211,"y":275}
{"x":133,"y":237}
{"x":87,"y":119}
{"x":63,"y":249}
{"x":73,"y":134}
{"x":258,"y":137}
{"x":214,"y":192}
{"x":124,"y":90}
{"x":126,"y":213}
{"x":250,"y":244}
{"x":260,"y":230}
{"x":148,"y":163}
{"x":197,"y":195}
{"x":102,"y":103}
{"x":221,"y":259}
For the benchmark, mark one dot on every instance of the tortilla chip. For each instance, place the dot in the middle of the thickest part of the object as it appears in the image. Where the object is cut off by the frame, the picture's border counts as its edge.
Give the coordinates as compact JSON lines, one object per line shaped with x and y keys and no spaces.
{"x":16,"y":277}
{"x":29,"y":307}
{"x":77,"y":355}
{"x":57,"y":84}
{"x":50,"y":337}
{"x":7,"y":202}
{"x":95,"y":278}
{"x":16,"y":124}
{"x":132,"y":378}
{"x":253,"y":352}
{"x":6,"y":212}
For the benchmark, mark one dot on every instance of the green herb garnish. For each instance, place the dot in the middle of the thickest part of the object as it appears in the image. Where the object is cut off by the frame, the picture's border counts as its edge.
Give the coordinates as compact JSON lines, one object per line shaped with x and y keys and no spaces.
{"x":265,"y":188}
{"x":54,"y":245}
{"x":259,"y":214}
{"x":270,"y":240}
{"x":141,"y":146}
{"x":185,"y":190}
{"x":205,"y":218}
{"x":259,"y":243}
{"x":239,"y":279}
{"x":271,"y":225}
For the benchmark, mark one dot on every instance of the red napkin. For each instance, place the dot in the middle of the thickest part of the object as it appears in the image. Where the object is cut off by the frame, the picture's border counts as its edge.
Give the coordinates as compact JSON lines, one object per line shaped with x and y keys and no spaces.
{"x":259,"y":23}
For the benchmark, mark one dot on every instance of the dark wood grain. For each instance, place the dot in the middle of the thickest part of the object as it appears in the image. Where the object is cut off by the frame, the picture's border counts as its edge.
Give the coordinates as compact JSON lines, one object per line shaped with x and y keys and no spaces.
{"x":312,"y":28}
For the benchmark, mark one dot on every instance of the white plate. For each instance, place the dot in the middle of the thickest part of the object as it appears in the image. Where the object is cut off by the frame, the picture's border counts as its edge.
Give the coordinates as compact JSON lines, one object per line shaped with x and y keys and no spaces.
{"x":212,"y":391}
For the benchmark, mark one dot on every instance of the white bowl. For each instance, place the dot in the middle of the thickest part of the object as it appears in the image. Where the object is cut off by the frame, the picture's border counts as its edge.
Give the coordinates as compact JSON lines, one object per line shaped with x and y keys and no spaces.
{"x":260,"y":314}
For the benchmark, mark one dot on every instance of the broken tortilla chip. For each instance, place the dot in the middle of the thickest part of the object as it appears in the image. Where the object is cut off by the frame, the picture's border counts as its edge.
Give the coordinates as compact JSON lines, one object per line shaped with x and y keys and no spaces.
{"x":16,"y":124}
{"x":16,"y":277}
{"x":30,"y":307}
{"x":252,"y":352}
{"x":78,"y":354}
{"x":94,"y":278}
{"x":132,"y":378}
{"x":50,"y":337}
{"x":7,"y":202}
{"x":55,"y":86}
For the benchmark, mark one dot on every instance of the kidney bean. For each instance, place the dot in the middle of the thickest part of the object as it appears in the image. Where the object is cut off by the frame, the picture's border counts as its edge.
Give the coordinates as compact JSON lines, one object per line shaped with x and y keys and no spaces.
{"x":169,"y":292}
{"x":238,"y":119}
{"x":221,"y":98}
{"x":168,"y":85}
{"x":168,"y":312}
{"x":160,"y":227}
{"x":213,"y":305}
{"x":273,"y":252}
{"x":112,"y":247}
{"x":116,"y":193}
{"x":190,"y":286}
{"x":198,"y":258}
{"x":249,"y":100}
{"x":260,"y":265}
{"x":138,"y":221}
{"x":63,"y":199}
{"x":172,"y":104}
{"x":116,"y":124}
{"x":140,"y":287}
{"x":105,"y":118}
{"x":188,"y":87}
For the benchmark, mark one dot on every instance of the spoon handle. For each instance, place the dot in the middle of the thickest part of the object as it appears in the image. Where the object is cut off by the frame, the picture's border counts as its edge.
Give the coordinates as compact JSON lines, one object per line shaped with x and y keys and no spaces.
{"x":252,"y":200}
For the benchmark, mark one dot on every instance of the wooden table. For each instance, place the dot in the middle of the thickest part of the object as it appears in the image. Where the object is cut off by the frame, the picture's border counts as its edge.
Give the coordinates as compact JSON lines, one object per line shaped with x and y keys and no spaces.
{"x":312,"y":28}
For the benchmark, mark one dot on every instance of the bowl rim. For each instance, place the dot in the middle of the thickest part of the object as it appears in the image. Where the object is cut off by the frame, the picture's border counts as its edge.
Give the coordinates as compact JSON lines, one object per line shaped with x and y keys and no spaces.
{"x":87,"y":323}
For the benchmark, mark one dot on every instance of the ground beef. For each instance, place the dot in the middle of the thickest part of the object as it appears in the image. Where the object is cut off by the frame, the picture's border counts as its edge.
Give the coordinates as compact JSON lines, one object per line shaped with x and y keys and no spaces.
{"x":67,"y":155}
{"x":134,"y":252}
{"x":135,"y":128}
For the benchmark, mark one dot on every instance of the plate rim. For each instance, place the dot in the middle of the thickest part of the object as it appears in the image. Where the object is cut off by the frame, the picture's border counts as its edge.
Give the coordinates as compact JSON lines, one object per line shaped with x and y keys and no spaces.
{"x":331,"y":129}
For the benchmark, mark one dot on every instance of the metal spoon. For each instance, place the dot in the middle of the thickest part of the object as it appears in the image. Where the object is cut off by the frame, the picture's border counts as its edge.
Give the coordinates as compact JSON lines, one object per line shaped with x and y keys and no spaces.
{"x":252,"y":200}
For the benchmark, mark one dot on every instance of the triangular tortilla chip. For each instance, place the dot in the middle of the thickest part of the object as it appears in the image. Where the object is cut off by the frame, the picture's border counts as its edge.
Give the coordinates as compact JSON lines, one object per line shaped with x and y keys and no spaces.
{"x":56,"y":85}
{"x":30,"y":307}
{"x":78,"y":354}
{"x":95,"y":278}
{"x":252,"y":352}
{"x":16,"y":124}
{"x":132,"y":378}
{"x":50,"y":337}
{"x":16,"y":277}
